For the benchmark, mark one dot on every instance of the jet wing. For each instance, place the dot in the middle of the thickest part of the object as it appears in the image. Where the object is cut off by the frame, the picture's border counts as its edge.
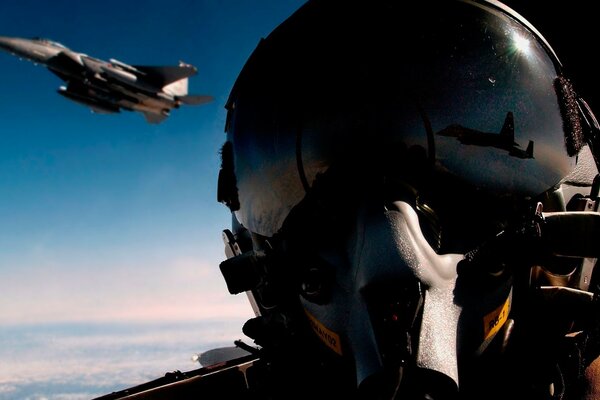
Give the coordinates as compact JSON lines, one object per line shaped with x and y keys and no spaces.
{"x":64,"y":64}
{"x":195,"y":100}
{"x":162,"y":76}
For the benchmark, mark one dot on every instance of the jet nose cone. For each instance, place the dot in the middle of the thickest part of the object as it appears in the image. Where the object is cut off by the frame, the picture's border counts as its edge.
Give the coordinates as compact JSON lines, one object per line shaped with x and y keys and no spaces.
{"x":7,"y":43}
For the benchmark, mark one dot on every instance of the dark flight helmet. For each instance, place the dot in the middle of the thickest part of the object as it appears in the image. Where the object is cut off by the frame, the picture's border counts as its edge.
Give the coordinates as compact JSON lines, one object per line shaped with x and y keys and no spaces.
{"x":469,"y":86}
{"x":457,"y":108}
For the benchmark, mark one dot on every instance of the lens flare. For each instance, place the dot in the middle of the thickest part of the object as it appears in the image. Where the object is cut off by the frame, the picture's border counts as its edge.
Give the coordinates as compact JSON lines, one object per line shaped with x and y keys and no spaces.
{"x":521,"y":44}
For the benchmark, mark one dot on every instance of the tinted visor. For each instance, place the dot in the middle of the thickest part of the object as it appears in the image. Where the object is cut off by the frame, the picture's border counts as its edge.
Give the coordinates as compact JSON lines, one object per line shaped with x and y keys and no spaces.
{"x":457,"y":87}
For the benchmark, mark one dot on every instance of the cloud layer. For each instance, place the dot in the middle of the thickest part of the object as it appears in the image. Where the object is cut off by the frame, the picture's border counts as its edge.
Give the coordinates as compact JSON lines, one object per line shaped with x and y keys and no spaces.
{"x":82,"y":361}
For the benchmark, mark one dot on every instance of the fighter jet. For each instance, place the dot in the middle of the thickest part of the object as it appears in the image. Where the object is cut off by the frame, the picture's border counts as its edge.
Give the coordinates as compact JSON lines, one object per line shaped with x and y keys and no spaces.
{"x":505,"y":140}
{"x":110,"y":86}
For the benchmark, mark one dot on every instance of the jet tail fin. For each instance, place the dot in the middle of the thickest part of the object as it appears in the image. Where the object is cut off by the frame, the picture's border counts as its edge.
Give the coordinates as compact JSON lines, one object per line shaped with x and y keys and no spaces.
{"x":529,"y":149}
{"x":166,"y":75}
{"x":177,"y":88}
{"x":508,"y":129}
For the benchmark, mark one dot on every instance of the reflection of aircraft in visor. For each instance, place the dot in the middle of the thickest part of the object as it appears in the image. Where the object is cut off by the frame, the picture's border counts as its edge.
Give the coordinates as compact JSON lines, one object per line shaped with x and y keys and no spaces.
{"x":504,"y":140}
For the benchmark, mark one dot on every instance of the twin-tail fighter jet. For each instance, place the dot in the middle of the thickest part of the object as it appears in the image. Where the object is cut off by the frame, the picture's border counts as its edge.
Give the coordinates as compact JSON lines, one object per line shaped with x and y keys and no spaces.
{"x":110,"y":86}
{"x":505,"y":140}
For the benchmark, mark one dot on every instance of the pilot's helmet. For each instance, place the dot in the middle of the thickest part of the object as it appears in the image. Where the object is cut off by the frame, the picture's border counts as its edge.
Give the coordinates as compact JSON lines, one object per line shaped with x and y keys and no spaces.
{"x":351,"y":114}
{"x":468,"y":90}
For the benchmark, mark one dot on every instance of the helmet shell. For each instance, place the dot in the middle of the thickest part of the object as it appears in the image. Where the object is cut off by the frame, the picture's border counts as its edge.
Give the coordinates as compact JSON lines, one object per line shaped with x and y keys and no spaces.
{"x":460,"y":88}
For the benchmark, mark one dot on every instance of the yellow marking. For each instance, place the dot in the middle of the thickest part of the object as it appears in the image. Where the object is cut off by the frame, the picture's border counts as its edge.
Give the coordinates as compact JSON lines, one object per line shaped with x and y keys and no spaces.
{"x":493,"y":321}
{"x":327,"y":336}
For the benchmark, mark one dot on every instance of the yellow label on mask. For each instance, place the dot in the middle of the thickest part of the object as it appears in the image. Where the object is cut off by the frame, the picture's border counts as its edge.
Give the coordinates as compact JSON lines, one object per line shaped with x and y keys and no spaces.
{"x":327,"y":336}
{"x":493,"y":321}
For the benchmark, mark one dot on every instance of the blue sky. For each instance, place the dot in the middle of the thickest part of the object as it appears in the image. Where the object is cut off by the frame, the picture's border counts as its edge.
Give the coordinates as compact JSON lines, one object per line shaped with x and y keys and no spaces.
{"x":106,"y":216}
